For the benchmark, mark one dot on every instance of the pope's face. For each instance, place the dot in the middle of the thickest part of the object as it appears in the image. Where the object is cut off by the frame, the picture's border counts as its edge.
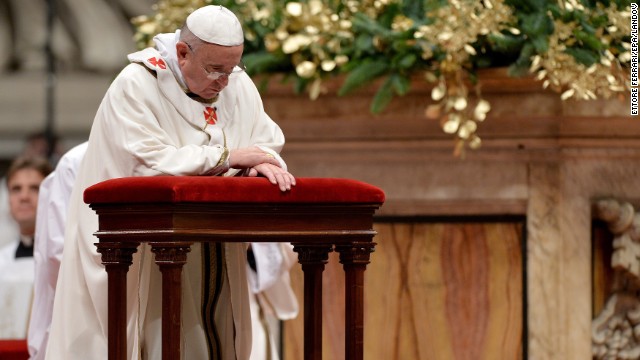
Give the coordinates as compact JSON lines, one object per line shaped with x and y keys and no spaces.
{"x":23,"y":197}
{"x":206,"y":68}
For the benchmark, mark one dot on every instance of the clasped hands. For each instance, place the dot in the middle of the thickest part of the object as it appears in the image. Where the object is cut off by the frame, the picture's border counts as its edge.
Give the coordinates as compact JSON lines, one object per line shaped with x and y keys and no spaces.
{"x":262,"y":163}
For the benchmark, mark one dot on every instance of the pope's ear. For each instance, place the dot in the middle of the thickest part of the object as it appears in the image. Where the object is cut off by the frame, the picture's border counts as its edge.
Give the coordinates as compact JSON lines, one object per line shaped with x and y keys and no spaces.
{"x":181,"y":50}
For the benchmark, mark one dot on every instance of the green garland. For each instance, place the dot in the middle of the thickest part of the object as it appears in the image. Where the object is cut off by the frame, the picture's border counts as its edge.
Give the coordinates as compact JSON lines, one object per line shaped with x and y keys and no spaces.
{"x":446,"y":41}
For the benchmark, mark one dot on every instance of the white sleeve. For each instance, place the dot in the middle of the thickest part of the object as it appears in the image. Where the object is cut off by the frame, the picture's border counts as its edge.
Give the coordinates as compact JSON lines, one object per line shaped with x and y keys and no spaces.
{"x":267,"y":135}
{"x":56,"y":213}
{"x":40,"y":310}
{"x":283,"y":164}
{"x":276,"y":295}
{"x":53,"y":201}
{"x":269,"y":266}
{"x":271,"y":281}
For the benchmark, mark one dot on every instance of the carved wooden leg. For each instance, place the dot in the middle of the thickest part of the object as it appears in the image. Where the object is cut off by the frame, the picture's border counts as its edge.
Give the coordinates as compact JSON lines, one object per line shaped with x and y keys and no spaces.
{"x":313,"y":259}
{"x":354,"y":258}
{"x":170,"y":257}
{"x":117,"y":257}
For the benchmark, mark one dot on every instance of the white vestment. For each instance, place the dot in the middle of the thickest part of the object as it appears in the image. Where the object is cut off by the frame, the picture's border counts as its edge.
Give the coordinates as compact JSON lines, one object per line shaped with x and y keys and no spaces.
{"x":147,"y":126}
{"x":53,"y":201}
{"x":273,"y":298}
{"x":16,"y":292}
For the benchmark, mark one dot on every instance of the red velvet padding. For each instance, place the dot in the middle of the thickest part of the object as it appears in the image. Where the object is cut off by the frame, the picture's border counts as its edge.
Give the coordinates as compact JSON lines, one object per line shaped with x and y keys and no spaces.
{"x":14,"y":350}
{"x":230,"y":189}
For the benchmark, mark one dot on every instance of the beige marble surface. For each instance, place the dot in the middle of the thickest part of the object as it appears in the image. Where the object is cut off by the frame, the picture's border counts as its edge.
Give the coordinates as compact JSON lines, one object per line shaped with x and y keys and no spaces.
{"x":555,"y":195}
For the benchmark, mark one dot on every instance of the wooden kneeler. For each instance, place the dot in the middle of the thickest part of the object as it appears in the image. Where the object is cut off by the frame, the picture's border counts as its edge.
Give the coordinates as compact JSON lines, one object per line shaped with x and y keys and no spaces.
{"x":317,"y":216}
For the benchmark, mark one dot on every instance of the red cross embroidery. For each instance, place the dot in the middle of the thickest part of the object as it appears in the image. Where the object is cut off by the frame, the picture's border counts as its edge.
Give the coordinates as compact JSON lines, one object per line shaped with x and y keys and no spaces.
{"x":210,"y":115}
{"x":157,"y":62}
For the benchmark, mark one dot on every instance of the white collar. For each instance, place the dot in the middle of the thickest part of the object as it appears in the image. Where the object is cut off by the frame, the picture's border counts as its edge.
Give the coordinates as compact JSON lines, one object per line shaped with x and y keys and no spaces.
{"x":166,"y":46}
{"x":26,"y":240}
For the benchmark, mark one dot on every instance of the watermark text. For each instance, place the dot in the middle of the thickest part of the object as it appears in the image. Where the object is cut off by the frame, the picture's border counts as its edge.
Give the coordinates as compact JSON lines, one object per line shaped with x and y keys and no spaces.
{"x":634,"y":59}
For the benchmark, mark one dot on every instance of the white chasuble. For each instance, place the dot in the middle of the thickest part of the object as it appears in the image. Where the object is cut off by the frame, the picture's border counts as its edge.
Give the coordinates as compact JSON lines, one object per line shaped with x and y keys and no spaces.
{"x":147,"y":126}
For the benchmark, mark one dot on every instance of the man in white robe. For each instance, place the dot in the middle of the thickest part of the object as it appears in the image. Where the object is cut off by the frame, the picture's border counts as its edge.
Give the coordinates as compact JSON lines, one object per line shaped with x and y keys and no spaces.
{"x":182,"y":108}
{"x":16,"y":258}
{"x":36,"y":145}
{"x":53,"y":202}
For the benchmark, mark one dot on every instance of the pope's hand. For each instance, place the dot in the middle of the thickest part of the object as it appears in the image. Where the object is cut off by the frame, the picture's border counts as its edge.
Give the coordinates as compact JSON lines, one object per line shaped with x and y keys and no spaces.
{"x":275,"y":174}
{"x":249,"y":157}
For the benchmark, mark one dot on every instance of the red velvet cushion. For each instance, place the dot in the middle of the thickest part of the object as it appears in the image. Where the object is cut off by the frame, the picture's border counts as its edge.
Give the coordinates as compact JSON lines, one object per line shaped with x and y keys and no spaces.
{"x":230,"y":189}
{"x":14,"y":350}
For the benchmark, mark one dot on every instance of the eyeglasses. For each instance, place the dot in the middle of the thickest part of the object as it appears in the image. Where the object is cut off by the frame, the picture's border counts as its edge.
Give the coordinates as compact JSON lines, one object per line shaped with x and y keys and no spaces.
{"x":215,"y":75}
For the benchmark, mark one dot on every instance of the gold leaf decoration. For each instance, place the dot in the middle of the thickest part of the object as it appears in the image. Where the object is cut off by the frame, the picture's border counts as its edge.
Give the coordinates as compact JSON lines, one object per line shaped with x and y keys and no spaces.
{"x":319,"y":38}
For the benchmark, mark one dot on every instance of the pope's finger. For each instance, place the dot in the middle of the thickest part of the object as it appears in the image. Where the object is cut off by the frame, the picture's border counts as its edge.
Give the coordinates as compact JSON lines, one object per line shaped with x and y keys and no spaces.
{"x":269,"y":174}
{"x":290,"y":179}
{"x":282,"y":181}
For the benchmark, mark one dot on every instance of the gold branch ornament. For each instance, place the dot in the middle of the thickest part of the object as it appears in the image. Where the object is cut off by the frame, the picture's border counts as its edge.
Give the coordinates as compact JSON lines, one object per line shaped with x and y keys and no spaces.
{"x":606,"y":78}
{"x":454,"y":30}
{"x":313,"y":35}
{"x":558,"y":41}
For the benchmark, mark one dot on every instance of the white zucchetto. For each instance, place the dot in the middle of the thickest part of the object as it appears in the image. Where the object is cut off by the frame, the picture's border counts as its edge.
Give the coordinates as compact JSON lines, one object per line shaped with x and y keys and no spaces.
{"x":217,"y":25}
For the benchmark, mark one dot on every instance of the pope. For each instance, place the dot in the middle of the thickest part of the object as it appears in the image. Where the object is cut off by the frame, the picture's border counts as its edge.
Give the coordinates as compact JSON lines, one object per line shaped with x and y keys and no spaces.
{"x":184,"y":107}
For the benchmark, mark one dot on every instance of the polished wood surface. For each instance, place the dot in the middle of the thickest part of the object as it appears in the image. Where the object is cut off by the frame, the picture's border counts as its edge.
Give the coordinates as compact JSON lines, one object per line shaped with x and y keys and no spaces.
{"x":171,"y":257}
{"x":435,"y":291}
{"x":604,"y":277}
{"x":117,"y":257}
